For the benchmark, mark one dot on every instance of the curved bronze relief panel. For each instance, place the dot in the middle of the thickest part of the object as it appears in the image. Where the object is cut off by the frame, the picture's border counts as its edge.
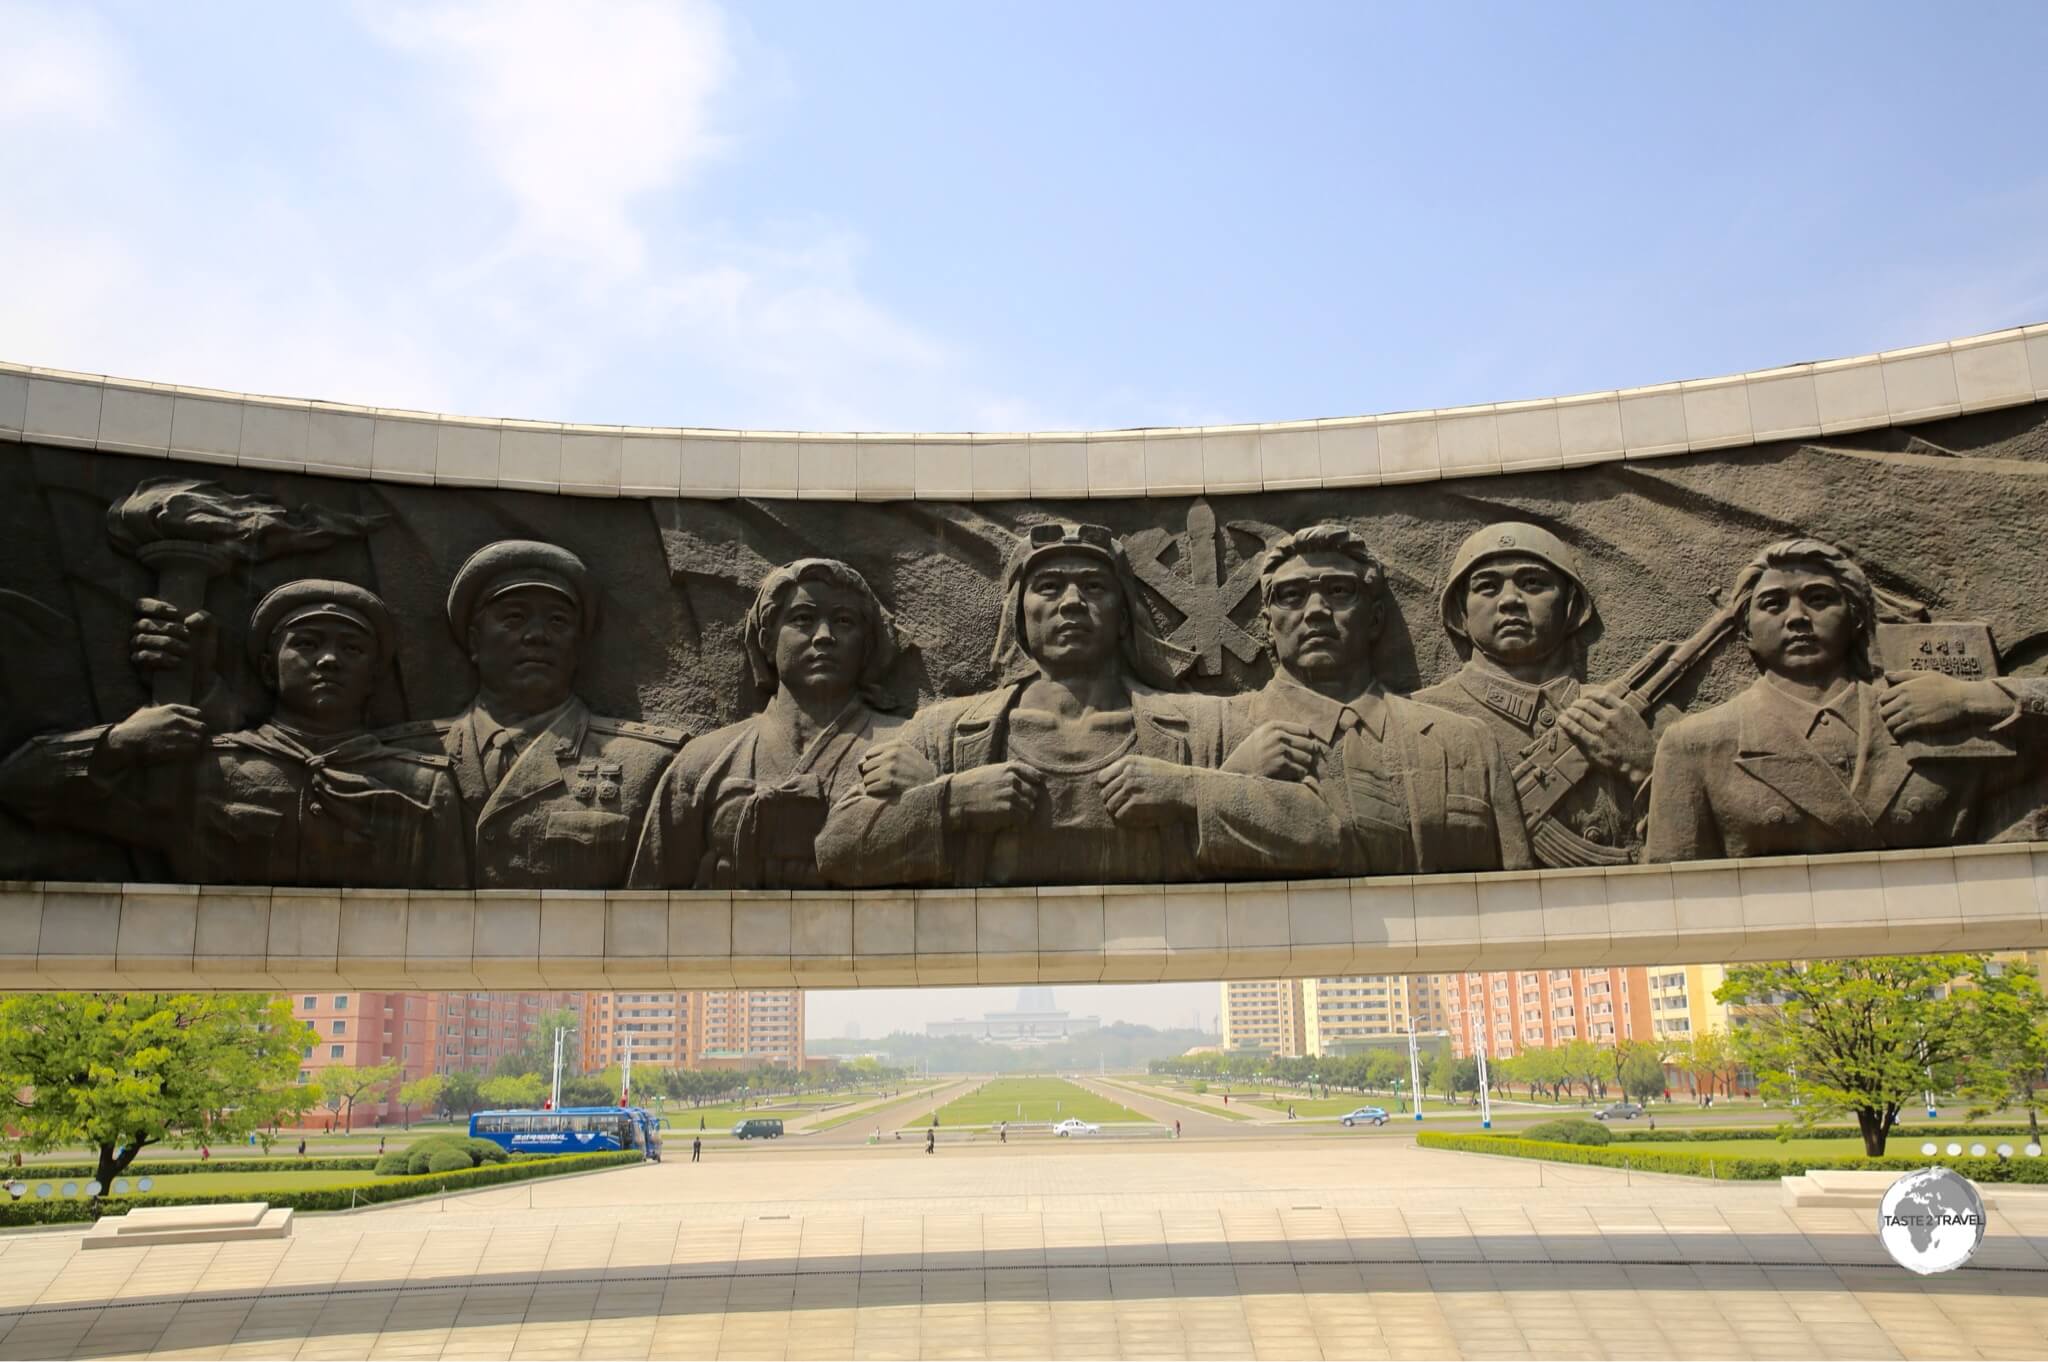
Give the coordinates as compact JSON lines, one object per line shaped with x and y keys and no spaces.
{"x":499,"y":689}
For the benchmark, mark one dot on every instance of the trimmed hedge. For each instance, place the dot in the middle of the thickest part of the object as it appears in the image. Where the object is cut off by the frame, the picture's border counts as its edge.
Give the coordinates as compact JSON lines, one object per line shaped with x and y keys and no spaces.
{"x":1569,"y":1132}
{"x":1941,"y":1131}
{"x":58,"y":1210}
{"x":1733,"y":1169}
{"x":156,"y":1168}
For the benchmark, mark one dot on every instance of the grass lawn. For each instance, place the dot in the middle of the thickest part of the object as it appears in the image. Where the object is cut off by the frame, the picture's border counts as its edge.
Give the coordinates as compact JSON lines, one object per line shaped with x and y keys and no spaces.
{"x":862,"y":1112}
{"x":1030,"y":1099}
{"x":1181,"y":1097}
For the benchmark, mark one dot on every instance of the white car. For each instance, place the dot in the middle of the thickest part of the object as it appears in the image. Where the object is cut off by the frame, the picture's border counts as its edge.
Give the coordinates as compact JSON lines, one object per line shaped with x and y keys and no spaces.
{"x":1074,"y":1125}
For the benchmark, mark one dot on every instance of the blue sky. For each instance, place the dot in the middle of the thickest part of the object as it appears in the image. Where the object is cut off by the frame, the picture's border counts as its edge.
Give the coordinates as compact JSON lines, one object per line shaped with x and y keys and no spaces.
{"x":926,"y":216}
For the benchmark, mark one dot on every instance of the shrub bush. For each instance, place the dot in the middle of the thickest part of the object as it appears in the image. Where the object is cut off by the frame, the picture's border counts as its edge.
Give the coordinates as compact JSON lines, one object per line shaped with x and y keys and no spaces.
{"x":483,"y":1151}
{"x":449,"y":1161}
{"x":1569,"y":1132}
{"x":392,"y":1164}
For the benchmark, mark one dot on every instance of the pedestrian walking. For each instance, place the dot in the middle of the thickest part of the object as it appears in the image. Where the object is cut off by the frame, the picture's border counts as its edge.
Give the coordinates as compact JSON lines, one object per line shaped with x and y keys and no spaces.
{"x":1003,"y":1132}
{"x":931,"y":1138}
{"x":697,"y":1150}
{"x":380,"y":1144}
{"x":204,"y":1153}
{"x":1176,"y":1130}
{"x":302,"y":1146}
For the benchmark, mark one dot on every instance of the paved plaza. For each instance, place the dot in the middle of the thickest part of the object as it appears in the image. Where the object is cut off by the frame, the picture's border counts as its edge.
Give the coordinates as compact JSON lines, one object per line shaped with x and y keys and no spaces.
{"x":1265,"y":1246}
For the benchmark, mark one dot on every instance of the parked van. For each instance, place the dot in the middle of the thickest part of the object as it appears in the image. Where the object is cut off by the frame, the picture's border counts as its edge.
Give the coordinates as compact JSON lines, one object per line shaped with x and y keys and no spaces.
{"x":758,"y":1128}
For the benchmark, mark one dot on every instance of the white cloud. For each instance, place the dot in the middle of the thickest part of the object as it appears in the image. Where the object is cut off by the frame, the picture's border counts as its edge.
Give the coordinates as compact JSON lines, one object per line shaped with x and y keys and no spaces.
{"x":516,"y":222}
{"x":578,"y":109}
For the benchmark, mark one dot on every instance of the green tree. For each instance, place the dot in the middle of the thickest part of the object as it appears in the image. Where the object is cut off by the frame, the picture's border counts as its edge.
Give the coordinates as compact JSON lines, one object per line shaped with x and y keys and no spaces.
{"x":514,"y":1092}
{"x":462,"y":1092}
{"x":2005,"y":1067}
{"x":124,"y":1071}
{"x":537,"y":1054}
{"x":1642,"y":1073}
{"x":344,"y":1087}
{"x":1864,"y":1036}
{"x":423,"y":1093}
{"x":1584,"y":1062}
{"x":1443,"y":1075}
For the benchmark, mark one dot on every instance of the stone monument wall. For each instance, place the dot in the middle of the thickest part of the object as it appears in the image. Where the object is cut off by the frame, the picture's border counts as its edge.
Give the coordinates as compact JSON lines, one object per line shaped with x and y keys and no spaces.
{"x":266,"y":643}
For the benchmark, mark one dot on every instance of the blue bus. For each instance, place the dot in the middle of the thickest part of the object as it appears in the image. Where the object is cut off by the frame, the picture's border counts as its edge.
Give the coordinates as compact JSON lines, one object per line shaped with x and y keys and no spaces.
{"x":571,"y":1130}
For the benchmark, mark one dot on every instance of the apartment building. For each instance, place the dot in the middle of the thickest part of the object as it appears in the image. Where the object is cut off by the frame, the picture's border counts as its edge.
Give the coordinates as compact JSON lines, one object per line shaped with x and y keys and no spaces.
{"x":695,"y":1028}
{"x":423,"y":1033}
{"x":1337,"y":1012}
{"x":1264,"y":1014}
{"x":1514,"y":1010}
{"x":1682,"y":1003}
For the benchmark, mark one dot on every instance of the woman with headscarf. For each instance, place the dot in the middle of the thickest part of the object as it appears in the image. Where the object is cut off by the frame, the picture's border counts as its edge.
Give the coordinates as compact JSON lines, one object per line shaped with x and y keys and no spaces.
{"x":743,"y":805}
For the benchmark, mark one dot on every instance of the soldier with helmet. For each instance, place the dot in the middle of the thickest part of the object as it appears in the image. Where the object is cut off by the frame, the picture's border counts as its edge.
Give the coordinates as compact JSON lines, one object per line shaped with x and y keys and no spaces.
{"x":1081,"y":766}
{"x":1516,"y":596}
{"x":555,"y":795}
{"x":308,"y":797}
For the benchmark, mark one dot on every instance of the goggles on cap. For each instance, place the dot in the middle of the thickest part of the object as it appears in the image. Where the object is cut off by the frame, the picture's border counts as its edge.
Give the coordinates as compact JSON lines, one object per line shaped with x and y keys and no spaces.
{"x":1093,"y":536}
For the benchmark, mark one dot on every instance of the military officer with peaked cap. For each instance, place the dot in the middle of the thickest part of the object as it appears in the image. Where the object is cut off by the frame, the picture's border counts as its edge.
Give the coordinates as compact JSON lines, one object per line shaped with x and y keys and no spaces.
{"x":555,"y":794}
{"x":1517,"y":595}
{"x":308,"y":797}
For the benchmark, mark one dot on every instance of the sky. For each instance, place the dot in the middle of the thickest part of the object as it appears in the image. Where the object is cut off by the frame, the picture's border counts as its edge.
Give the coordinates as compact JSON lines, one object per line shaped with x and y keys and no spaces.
{"x":893,"y":216}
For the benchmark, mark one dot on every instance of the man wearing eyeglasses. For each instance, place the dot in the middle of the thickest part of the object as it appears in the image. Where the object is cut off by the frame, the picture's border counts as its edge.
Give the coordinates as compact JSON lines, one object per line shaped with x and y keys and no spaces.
{"x":1414,"y":789}
{"x":1080,"y":767}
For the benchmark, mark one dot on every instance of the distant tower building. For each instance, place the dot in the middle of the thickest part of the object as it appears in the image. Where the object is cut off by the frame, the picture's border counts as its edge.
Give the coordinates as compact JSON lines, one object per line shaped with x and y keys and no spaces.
{"x":1340,"y":1013}
{"x":1034,"y":1021}
{"x":1264,"y":1014}
{"x":730,"y":1028}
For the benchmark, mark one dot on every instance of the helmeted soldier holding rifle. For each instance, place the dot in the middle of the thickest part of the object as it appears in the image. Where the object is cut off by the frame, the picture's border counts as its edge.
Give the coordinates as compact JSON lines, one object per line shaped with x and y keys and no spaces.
{"x":1517,"y":596}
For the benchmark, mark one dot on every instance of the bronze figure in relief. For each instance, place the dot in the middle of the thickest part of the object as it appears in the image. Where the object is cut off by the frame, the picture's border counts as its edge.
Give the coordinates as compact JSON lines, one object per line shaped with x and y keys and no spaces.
{"x":556,"y":796}
{"x":1517,"y":596}
{"x":1082,"y":767}
{"x":1411,"y":788}
{"x":308,"y":797}
{"x":743,"y":806}
{"x":1809,"y":758}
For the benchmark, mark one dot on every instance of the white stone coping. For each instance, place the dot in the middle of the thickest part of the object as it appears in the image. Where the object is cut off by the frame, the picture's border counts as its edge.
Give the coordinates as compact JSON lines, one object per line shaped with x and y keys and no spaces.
{"x":141,"y":936}
{"x":153,"y":420}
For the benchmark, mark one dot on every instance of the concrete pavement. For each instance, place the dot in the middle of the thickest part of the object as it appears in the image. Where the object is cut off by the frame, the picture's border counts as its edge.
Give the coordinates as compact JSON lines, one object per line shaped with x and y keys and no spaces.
{"x":1266,"y":1247}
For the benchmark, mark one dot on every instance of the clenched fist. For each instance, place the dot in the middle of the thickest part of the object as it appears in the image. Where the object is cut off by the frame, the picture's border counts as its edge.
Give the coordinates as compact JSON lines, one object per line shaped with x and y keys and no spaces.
{"x":1143,"y":790}
{"x":888,"y":769}
{"x":156,"y":734}
{"x":1610,"y":732}
{"x":166,"y":640}
{"x":1276,"y":750}
{"x":993,"y":796}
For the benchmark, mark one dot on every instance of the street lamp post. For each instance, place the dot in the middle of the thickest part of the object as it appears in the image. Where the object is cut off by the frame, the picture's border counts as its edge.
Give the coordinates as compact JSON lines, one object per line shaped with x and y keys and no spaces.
{"x":1485,"y":1096}
{"x":1414,"y":1070}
